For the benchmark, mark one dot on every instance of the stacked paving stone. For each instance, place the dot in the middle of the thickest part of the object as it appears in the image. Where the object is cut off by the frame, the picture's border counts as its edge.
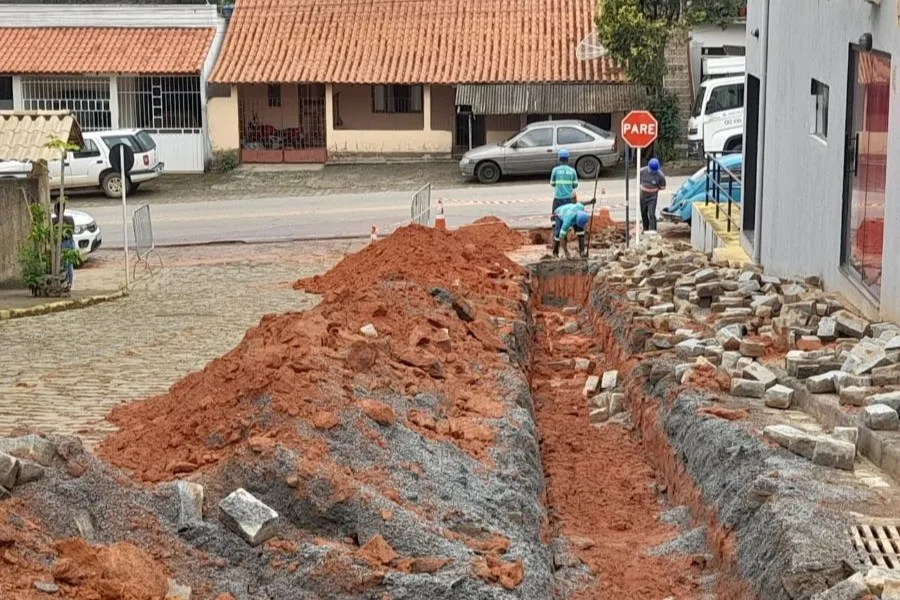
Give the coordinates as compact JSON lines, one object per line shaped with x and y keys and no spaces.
{"x":23,"y":460}
{"x":745,"y":315}
{"x":610,"y":401}
{"x":879,"y":582}
{"x":604,"y":393}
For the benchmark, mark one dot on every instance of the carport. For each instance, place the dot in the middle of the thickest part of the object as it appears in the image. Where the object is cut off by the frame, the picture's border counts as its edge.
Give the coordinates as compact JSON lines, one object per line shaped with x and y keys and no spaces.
{"x":492,"y":112}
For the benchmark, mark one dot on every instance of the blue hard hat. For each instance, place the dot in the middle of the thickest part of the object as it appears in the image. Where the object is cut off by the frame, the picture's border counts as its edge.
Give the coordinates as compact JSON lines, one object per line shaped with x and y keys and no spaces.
{"x":581,"y":218}
{"x":653,"y":164}
{"x":563,"y":154}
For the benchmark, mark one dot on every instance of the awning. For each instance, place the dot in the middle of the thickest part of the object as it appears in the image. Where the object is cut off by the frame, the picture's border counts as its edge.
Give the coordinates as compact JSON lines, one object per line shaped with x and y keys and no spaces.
{"x":873,"y":68}
{"x":24,"y":134}
{"x":551,"y":98}
{"x":124,"y":50}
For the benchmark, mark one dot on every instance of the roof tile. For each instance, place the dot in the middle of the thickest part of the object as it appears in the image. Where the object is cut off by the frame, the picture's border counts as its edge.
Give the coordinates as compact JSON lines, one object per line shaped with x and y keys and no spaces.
{"x":24,"y":135}
{"x":62,"y":50}
{"x":410,"y":41}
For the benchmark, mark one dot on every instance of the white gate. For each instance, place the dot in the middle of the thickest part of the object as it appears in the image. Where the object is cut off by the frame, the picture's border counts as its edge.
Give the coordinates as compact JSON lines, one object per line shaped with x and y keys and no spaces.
{"x":182,"y":152}
{"x":170,"y":109}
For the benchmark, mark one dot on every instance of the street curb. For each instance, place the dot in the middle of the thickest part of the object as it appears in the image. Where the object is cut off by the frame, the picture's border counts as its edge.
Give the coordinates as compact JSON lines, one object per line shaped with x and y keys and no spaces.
{"x":288,"y":240}
{"x":62,"y":305}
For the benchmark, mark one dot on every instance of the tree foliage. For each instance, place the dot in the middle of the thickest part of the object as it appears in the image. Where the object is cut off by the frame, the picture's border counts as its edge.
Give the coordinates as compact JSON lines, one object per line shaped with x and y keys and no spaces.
{"x":635,"y":32}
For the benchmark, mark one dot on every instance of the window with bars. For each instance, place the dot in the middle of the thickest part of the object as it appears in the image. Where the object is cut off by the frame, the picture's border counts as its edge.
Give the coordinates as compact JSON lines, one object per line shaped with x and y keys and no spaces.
{"x":819,"y":92}
{"x":6,"y":95}
{"x":397,"y":98}
{"x":274,"y":95}
{"x":168,"y":104}
{"x":86,"y":97}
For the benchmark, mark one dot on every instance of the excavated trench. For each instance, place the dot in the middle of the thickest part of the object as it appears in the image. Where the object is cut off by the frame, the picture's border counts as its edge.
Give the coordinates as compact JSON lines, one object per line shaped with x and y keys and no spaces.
{"x":533,"y":486}
{"x":614,"y":492}
{"x":673,"y":501}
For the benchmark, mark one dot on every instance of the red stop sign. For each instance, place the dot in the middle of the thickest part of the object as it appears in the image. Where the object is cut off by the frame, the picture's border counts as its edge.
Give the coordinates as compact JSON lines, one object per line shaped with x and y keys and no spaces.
{"x":639,"y":129}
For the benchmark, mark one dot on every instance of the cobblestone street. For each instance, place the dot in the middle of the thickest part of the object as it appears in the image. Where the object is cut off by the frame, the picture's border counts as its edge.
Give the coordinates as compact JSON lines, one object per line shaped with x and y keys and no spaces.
{"x":62,"y":372}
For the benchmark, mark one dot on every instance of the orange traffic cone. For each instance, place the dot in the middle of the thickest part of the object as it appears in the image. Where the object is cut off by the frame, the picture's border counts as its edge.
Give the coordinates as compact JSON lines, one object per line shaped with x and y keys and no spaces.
{"x":373,"y":237}
{"x":439,"y":221}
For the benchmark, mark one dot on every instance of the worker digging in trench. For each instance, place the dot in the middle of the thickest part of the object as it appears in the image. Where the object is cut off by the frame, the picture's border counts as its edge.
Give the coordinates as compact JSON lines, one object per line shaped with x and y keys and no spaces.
{"x":570,"y":216}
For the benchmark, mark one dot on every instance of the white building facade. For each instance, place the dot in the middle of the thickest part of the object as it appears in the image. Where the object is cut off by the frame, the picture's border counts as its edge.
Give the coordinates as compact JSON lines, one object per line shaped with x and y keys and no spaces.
{"x":116,"y":66}
{"x":822,"y":145}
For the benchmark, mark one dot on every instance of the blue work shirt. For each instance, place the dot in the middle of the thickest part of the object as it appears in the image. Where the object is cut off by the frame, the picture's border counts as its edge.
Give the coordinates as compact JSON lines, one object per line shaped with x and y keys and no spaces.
{"x":564,"y":180}
{"x":566,"y":214}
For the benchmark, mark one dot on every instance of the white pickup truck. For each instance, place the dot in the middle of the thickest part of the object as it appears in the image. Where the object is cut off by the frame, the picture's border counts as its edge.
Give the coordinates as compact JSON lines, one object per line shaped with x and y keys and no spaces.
{"x":89,"y":167}
{"x":717,"y":117}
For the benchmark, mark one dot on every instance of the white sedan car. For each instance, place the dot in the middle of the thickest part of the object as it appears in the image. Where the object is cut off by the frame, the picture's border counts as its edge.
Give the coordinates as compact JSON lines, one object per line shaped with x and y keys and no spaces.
{"x":87,"y":233}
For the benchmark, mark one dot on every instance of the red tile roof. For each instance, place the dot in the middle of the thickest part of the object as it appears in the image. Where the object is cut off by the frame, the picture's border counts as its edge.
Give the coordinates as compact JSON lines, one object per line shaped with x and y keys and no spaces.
{"x":64,"y":50}
{"x":410,"y":41}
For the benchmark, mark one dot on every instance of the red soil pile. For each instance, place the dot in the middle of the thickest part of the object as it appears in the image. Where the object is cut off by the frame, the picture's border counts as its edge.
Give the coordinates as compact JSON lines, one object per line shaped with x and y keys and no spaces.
{"x":598,"y":483}
{"x":491,"y":231}
{"x":601,"y":219}
{"x":302,"y":368}
{"x":84,"y":572}
{"x":468,"y":257}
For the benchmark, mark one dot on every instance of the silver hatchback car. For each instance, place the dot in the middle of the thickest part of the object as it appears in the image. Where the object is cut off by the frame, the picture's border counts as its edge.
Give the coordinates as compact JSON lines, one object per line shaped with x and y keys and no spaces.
{"x":533,"y":151}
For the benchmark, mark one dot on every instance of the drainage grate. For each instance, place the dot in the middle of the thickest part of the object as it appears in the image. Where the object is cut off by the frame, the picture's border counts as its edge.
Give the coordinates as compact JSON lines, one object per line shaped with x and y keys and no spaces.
{"x":878,"y":545}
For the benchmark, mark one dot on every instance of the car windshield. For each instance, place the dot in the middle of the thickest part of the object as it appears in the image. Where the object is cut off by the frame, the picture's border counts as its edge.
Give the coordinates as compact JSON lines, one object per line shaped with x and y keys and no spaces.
{"x":699,"y":175}
{"x":698,"y":101}
{"x":601,"y":132}
{"x":509,"y":140}
{"x":145,"y":140}
{"x":112,"y":141}
{"x":136,"y":142}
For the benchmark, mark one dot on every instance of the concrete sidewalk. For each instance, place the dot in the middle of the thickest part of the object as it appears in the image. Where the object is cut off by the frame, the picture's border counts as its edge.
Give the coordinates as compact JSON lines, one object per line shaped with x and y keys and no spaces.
{"x":92,"y":286}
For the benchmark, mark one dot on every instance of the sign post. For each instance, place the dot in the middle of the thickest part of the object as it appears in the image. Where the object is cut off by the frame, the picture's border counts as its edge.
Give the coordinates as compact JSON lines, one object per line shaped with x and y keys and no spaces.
{"x":627,"y":201}
{"x":639,"y":130}
{"x":121,"y":158}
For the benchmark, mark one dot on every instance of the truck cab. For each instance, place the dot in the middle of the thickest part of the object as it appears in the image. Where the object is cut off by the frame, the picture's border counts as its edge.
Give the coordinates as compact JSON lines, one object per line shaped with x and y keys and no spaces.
{"x":717,"y":117}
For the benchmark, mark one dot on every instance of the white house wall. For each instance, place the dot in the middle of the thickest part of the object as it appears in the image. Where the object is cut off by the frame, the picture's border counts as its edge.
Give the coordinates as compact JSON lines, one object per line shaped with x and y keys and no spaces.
{"x":182,"y":152}
{"x":803,"y":176}
{"x":108,"y":15}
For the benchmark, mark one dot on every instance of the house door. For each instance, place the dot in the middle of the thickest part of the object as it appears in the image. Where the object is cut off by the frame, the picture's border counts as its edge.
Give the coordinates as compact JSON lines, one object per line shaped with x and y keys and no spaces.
{"x":751,"y":157}
{"x":868,"y":110}
{"x":470,"y":131}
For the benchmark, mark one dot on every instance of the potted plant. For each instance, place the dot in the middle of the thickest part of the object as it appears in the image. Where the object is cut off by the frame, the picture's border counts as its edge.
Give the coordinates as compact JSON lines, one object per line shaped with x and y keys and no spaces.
{"x":36,"y":255}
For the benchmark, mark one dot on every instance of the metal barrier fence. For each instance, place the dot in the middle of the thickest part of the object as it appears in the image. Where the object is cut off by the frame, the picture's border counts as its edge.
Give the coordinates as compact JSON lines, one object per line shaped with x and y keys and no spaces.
{"x":143,"y":237}
{"x":722,"y":185}
{"x":420,"y":207}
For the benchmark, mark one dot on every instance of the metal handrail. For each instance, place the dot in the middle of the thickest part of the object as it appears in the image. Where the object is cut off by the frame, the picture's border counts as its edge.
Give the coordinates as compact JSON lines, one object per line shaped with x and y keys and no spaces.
{"x":714,"y":187}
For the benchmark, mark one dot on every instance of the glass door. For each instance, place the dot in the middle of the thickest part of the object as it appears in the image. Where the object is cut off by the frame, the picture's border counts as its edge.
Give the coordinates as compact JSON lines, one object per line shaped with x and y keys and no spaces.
{"x":868,"y":110}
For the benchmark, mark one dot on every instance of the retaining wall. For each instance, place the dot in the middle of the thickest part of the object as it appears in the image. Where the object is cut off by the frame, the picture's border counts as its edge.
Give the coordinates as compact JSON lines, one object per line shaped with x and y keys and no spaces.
{"x":15,"y":223}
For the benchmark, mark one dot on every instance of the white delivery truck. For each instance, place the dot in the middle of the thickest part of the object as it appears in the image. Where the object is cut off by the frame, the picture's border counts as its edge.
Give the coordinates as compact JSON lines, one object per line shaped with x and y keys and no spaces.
{"x":717,"y":117}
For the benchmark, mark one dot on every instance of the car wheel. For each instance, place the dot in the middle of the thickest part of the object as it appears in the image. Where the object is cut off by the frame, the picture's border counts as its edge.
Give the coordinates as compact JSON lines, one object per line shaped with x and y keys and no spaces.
{"x":488,"y":172}
{"x":735,"y":147}
{"x":112,"y":185}
{"x":587,"y":167}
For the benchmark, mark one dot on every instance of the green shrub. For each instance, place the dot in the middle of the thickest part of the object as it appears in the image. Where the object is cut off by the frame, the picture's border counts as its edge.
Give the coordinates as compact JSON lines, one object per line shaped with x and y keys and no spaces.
{"x":224,"y":161}
{"x":664,"y":106}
